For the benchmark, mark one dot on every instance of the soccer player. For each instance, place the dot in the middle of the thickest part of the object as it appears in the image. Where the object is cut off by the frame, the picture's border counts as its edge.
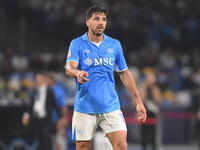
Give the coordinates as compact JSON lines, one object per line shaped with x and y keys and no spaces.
{"x":92,"y":59}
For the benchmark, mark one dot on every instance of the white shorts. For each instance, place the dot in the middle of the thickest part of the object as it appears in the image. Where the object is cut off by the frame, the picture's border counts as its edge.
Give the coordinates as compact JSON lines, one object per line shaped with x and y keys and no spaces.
{"x":85,"y":125}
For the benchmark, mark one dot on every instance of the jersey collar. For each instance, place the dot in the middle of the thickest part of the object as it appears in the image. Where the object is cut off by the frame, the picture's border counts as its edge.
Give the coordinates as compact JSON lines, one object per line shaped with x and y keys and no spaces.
{"x":85,"y":37}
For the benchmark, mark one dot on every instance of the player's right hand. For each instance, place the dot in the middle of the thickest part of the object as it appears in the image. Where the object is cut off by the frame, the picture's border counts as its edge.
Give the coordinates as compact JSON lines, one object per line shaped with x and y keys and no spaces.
{"x":81,"y":77}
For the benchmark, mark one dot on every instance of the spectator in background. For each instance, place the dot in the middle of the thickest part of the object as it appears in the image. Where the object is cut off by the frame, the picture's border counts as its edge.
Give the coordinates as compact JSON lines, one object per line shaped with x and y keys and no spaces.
{"x":54,"y":64}
{"x":195,"y":57}
{"x":196,"y":110}
{"x":167,"y":59}
{"x":175,"y":79}
{"x":6,"y":93}
{"x":20,"y":61}
{"x":36,"y":63}
{"x":152,"y":96}
{"x":60,"y":129}
{"x":6,"y":65}
{"x":37,"y":11}
{"x":144,"y":57}
{"x":40,"y":111}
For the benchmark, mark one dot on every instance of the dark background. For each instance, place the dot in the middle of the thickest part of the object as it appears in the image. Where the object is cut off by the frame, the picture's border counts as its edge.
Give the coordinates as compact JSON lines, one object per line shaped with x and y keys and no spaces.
{"x":156,"y":35}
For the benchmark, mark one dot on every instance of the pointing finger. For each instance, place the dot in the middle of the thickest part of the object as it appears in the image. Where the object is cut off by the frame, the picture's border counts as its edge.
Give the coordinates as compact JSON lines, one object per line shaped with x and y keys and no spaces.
{"x":86,"y":74}
{"x":85,"y":79}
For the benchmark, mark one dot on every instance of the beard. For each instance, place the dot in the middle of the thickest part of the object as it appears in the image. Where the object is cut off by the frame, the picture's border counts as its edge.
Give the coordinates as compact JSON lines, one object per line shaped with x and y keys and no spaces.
{"x":96,"y":33}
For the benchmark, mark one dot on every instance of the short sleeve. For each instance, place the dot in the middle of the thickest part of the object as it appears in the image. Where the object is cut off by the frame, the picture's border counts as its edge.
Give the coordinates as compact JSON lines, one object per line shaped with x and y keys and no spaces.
{"x":120,"y":60}
{"x":73,"y":53}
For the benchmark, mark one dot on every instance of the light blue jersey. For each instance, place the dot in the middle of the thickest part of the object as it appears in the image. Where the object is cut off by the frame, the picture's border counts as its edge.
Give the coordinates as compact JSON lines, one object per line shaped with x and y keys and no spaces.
{"x":97,"y":95}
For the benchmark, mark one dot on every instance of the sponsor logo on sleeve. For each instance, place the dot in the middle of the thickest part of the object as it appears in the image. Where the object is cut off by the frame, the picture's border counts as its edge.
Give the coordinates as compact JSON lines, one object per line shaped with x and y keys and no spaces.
{"x":69,"y":54}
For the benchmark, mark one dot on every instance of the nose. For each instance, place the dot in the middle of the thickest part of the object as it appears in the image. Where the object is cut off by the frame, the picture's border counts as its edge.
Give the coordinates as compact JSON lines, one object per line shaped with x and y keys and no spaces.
{"x":100,"y":21}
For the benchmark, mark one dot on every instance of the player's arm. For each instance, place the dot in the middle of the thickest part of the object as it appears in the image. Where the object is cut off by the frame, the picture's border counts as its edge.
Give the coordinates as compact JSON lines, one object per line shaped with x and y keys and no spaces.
{"x":74,"y":72}
{"x":128,"y":81}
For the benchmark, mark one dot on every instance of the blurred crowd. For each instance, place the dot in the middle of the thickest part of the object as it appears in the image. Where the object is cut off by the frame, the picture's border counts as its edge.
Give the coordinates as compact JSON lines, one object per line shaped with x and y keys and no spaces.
{"x":156,"y":24}
{"x":161,"y":37}
{"x":178,"y":76}
{"x":18,"y":69}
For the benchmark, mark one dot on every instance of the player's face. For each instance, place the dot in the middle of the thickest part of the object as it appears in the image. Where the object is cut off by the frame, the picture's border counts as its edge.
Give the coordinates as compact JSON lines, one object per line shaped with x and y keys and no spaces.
{"x":97,"y":23}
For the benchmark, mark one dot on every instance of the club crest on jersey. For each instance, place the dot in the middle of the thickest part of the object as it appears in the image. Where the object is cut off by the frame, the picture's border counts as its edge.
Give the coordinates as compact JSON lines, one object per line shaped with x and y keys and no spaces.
{"x":88,"y":61}
{"x":80,"y":131}
{"x":110,"y":50}
{"x":69,"y":54}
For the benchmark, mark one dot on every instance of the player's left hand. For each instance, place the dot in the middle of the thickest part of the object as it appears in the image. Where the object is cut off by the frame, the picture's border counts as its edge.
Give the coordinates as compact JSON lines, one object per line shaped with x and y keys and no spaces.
{"x":142,"y":115}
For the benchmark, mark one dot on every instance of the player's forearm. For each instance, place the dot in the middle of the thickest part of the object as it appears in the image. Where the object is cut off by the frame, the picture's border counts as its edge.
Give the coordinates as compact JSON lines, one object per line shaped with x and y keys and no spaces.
{"x":130,"y":85}
{"x":72,"y":71}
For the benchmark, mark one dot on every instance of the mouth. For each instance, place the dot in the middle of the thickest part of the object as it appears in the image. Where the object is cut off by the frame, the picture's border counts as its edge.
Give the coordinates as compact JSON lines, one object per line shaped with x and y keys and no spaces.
{"x":100,"y":28}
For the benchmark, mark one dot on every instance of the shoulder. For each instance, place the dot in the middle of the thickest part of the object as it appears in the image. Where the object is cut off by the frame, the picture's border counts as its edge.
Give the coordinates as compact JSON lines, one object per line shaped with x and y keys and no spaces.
{"x":76,"y":43}
{"x":113,"y":40}
{"x":78,"y":40}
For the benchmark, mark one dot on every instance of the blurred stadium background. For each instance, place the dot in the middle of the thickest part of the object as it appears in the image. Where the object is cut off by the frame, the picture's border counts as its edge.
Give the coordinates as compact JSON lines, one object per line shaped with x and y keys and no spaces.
{"x":160,"y":36}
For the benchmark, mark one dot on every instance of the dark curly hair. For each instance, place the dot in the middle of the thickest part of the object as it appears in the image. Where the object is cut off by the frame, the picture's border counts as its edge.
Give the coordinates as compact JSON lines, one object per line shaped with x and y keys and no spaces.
{"x":95,"y":9}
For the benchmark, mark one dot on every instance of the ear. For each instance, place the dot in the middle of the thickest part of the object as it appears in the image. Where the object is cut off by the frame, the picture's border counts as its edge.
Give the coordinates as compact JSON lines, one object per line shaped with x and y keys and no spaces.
{"x":87,"y":22}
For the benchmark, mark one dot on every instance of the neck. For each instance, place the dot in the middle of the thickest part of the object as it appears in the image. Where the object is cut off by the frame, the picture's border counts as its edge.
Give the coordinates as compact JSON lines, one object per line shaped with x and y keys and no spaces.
{"x":94,"y":38}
